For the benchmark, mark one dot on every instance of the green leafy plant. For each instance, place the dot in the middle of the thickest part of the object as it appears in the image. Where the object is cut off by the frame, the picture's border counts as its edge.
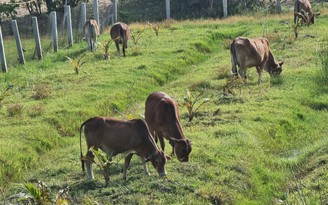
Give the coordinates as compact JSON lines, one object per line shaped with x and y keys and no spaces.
{"x":40,"y":194}
{"x":106,"y":45}
{"x":77,"y":64}
{"x":155,"y":27}
{"x":102,"y":162}
{"x":231,"y":84}
{"x":190,"y":101}
{"x":136,"y":36}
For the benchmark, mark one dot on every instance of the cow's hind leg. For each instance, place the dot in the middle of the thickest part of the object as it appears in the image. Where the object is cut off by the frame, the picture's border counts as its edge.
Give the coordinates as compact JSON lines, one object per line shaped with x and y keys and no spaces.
{"x":118,"y":48}
{"x":161,"y":139}
{"x":90,"y":156}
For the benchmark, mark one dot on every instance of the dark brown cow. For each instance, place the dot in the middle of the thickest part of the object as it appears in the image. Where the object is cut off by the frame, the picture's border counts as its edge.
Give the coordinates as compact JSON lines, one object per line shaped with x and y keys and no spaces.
{"x":246,"y":53}
{"x":115,"y":136}
{"x":163,"y":119}
{"x":120,"y":34}
{"x":304,"y":11}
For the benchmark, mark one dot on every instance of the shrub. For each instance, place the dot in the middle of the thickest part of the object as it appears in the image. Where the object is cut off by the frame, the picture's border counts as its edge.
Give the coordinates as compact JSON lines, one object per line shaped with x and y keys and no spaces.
{"x":15,"y":109}
{"x":41,"y":91}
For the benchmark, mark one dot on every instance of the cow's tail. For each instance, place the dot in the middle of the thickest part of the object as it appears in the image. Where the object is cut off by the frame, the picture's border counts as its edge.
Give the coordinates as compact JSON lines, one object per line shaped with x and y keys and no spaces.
{"x":123,"y":37}
{"x":81,"y":154}
{"x":233,"y":57}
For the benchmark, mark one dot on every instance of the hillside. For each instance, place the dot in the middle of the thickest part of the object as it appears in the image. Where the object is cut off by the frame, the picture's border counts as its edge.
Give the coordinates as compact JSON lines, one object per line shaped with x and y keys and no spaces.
{"x":260,"y":144}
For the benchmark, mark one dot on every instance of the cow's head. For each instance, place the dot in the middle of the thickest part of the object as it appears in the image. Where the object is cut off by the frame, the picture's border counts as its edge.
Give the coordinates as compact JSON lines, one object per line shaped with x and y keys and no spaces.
{"x":182,"y":148}
{"x":275,"y":71}
{"x":158,"y":160}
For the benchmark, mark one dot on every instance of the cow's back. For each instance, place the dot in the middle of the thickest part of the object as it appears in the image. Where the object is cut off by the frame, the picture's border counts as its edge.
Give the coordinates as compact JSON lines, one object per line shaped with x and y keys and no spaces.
{"x":251,"y":52}
{"x":160,"y":110}
{"x":116,"y":136}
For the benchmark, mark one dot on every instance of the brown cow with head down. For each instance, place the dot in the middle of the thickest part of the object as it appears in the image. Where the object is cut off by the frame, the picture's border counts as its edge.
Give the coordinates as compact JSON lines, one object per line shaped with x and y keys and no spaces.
{"x":163,"y":119}
{"x":304,"y":11}
{"x":115,"y":136}
{"x":120,"y":34}
{"x":246,"y":53}
{"x":91,"y":33}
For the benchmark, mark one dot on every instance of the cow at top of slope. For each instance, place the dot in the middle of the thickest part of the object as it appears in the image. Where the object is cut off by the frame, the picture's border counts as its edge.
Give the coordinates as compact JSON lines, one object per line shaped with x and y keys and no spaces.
{"x":114,"y":136}
{"x":303,"y":10}
{"x":120,"y":34}
{"x":247,"y":52}
{"x":91,"y":33}
{"x":163,"y":118}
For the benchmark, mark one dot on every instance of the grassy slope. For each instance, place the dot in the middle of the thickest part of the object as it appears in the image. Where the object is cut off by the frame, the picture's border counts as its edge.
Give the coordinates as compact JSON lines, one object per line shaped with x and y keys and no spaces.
{"x":256,"y":147}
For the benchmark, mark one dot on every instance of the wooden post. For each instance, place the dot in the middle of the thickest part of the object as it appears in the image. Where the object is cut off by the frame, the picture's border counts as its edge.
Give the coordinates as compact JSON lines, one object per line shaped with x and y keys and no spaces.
{"x":83,"y":14}
{"x":96,"y":11}
{"x":225,"y":8}
{"x":18,"y":41}
{"x":115,"y":10}
{"x":37,"y":36}
{"x":168,"y":11}
{"x":2,"y":54}
{"x":54,"y":32}
{"x":67,"y":11}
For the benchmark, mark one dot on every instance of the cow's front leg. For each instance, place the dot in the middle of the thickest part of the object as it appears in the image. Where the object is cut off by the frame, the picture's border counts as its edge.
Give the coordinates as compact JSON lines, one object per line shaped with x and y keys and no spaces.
{"x":259,"y":71}
{"x":172,"y":144}
{"x":161,"y":139}
{"x":126,"y":164}
{"x":90,"y":156}
{"x":145,"y":165}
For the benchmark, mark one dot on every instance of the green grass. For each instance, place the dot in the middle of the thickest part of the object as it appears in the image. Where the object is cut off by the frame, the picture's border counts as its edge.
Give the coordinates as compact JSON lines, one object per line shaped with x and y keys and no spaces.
{"x":267,"y":143}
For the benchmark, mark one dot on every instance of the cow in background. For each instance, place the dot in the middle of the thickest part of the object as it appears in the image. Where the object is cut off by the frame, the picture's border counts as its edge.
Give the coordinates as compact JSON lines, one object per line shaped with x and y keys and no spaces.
{"x":91,"y":33}
{"x":163,"y":118}
{"x":304,"y":11}
{"x":246,"y":53}
{"x":120,"y":34}
{"x":114,"y":136}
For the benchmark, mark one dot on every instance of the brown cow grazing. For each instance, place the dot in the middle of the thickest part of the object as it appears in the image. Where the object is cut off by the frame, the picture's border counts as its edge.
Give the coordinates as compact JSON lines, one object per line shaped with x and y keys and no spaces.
{"x":115,"y":136}
{"x":246,"y":53}
{"x":91,"y":33}
{"x":163,"y":119}
{"x":120,"y":34}
{"x":304,"y":11}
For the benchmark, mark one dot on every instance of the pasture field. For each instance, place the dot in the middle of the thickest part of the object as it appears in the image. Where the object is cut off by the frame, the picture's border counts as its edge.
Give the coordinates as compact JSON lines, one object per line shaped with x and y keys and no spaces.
{"x":260,"y":144}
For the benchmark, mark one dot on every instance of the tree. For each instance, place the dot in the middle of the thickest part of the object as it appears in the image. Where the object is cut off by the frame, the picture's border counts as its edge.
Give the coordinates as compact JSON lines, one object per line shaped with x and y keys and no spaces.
{"x":8,"y":10}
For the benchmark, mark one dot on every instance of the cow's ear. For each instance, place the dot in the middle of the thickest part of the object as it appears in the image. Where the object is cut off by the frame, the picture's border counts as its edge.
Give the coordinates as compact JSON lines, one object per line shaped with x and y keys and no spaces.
{"x":280,"y":64}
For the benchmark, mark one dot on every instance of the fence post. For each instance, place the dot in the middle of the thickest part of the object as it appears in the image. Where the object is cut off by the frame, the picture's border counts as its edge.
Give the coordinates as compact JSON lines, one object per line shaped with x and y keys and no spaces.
{"x":279,"y":6}
{"x":37,"y":36}
{"x":67,"y":11}
{"x":168,"y":15}
{"x":18,"y":41}
{"x":96,"y":11}
{"x":54,"y":32}
{"x":225,"y":8}
{"x":115,"y":10}
{"x":2,"y":54}
{"x":83,"y":14}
